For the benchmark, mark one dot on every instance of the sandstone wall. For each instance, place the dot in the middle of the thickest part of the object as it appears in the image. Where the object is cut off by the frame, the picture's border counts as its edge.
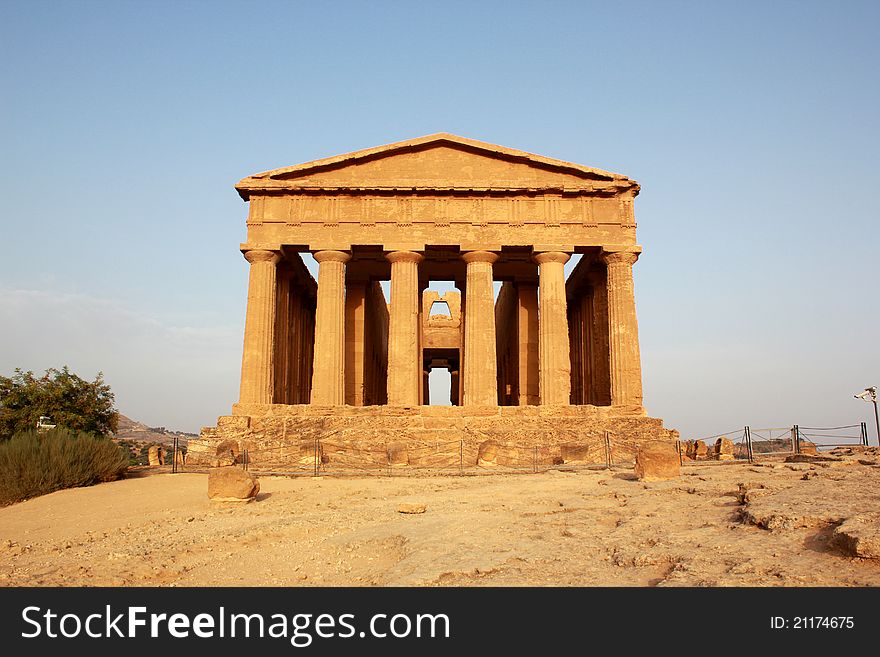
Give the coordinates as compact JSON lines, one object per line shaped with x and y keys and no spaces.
{"x":279,"y":435}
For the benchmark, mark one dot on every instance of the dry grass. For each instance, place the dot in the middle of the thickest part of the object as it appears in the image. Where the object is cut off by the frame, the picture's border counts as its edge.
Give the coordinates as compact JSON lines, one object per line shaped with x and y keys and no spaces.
{"x":33,"y":464}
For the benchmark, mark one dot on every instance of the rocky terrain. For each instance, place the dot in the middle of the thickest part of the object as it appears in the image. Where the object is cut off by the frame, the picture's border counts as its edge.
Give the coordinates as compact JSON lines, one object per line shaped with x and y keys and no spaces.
{"x":810,"y":522}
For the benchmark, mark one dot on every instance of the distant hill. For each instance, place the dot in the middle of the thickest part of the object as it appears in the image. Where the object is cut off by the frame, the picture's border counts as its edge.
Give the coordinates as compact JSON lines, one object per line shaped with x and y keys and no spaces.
{"x":138,"y":432}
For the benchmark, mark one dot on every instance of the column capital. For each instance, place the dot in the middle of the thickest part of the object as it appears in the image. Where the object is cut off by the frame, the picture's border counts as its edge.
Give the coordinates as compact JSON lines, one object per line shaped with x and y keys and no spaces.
{"x":332,"y":256}
{"x":551,"y":256}
{"x":620,"y":257}
{"x":479,"y":256}
{"x":262,"y":255}
{"x":404,"y":256}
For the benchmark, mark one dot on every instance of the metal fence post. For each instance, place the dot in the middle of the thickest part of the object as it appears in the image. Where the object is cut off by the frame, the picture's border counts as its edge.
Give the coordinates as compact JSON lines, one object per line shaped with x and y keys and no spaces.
{"x":535,"y":459}
{"x":680,"y":459}
{"x":797,"y":439}
{"x":864,"y":434}
{"x":317,"y":455}
{"x":608,"y":460}
{"x":460,"y":457}
{"x":174,"y":455}
{"x":747,"y":432}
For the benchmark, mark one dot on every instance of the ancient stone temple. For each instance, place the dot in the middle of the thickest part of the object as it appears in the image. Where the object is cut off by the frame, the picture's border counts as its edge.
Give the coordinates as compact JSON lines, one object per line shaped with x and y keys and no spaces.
{"x":542,"y":360}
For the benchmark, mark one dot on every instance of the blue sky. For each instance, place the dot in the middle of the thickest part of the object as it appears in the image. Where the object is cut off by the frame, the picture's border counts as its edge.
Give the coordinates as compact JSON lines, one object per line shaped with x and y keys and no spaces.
{"x":752,"y":128}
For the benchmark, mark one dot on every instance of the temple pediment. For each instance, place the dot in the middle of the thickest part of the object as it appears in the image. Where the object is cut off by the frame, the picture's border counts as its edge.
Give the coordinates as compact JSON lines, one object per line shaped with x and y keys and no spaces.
{"x":441,"y":161}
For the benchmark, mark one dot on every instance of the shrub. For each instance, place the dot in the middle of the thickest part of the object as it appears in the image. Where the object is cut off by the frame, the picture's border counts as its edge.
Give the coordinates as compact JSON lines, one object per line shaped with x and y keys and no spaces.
{"x":67,"y":399}
{"x":33,"y":463}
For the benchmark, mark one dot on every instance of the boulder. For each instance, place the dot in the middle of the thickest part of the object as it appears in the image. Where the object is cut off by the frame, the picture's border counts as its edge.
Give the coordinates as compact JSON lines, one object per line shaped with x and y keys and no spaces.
{"x":156,"y":455}
{"x":723,"y":450}
{"x":656,"y":461}
{"x":231,"y":484}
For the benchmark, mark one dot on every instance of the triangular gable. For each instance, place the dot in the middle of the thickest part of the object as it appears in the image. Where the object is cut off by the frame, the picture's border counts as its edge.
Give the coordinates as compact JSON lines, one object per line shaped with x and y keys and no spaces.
{"x":441,"y":160}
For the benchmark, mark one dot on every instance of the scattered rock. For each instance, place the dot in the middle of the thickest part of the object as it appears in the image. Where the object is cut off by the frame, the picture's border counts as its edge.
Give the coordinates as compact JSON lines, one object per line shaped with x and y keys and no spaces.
{"x":656,"y":461}
{"x":411,"y":507}
{"x":232,"y":484}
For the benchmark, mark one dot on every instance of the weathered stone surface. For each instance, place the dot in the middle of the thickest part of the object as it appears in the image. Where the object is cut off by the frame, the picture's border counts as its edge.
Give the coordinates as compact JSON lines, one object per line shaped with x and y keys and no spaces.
{"x":411,"y":508}
{"x":436,"y":208}
{"x":580,"y":454}
{"x":226,"y":453}
{"x":859,"y":536}
{"x":231,"y":484}
{"x":656,"y":461}
{"x":398,"y":454}
{"x":156,"y":455}
{"x":723,"y":450}
{"x":697,"y":449}
{"x":488,"y":453}
{"x":808,"y":447}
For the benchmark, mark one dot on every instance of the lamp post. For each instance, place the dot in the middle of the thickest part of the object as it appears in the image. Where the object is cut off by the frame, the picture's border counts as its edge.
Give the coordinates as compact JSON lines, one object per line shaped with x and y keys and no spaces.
{"x":870,"y":395}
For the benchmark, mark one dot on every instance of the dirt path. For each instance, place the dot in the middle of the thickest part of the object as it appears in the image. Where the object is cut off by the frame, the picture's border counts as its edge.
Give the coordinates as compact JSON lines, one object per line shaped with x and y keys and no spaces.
{"x":585,"y":529}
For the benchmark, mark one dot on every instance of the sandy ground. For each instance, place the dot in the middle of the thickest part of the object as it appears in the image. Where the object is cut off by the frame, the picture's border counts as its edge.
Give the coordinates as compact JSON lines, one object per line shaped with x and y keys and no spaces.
{"x":718,"y":525}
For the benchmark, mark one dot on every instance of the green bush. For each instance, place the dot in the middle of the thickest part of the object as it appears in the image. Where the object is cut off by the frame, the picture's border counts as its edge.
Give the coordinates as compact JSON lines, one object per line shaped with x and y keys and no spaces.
{"x":33,"y":463}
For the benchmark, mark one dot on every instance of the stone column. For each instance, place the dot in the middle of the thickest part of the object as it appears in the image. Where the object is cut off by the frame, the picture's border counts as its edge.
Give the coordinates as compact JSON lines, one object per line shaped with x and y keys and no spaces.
{"x":600,"y":360}
{"x":295,"y":363}
{"x":480,"y":369}
{"x":355,"y":342}
{"x":282,"y":332}
{"x":527,"y":329}
{"x":258,"y":355}
{"x":328,"y":372}
{"x":404,"y":357}
{"x":588,"y":384}
{"x":554,"y":361}
{"x":623,"y":330}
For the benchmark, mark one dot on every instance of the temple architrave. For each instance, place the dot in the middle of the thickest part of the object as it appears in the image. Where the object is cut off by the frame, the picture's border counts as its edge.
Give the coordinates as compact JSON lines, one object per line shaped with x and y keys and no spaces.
{"x":544,"y":360}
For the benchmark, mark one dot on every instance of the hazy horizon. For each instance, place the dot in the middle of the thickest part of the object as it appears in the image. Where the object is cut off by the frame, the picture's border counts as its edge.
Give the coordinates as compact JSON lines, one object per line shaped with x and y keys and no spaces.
{"x":751,"y":129}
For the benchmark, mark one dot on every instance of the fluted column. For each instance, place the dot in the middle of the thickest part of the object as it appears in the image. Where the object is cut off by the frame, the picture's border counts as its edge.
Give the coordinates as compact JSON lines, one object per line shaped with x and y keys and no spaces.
{"x":282,"y":332}
{"x":554,"y":361}
{"x":623,"y":330}
{"x":404,"y":357}
{"x":480,"y":367}
{"x":355,"y":342}
{"x":328,"y":376}
{"x":258,"y":354}
{"x":527,"y":330}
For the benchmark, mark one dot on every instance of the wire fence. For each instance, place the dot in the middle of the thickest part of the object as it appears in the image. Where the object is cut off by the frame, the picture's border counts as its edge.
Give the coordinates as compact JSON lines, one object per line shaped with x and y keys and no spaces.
{"x":754,"y":444}
{"x":327,"y":457}
{"x":479,"y":456}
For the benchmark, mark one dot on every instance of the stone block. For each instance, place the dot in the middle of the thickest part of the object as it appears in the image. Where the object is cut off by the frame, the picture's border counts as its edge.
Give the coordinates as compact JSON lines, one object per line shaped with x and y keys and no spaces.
{"x":231,"y":484}
{"x":156,"y":455}
{"x":723,"y":450}
{"x":657,"y":461}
